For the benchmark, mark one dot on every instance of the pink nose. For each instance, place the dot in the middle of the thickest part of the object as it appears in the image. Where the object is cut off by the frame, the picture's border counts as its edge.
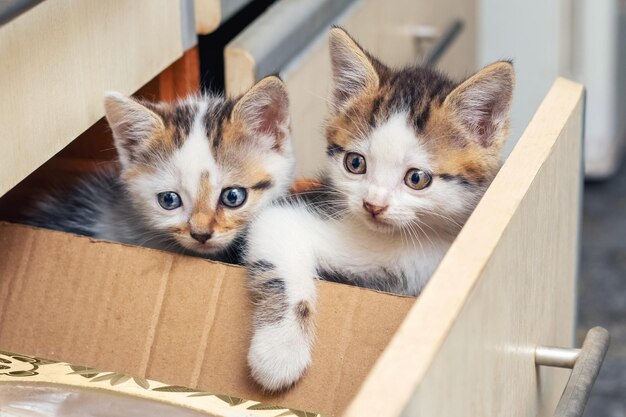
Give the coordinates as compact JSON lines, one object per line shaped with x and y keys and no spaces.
{"x":372,"y":209}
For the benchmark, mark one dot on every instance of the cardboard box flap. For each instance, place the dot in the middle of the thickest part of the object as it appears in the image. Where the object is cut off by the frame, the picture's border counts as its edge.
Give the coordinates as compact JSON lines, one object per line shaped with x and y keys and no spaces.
{"x":177,"y":319}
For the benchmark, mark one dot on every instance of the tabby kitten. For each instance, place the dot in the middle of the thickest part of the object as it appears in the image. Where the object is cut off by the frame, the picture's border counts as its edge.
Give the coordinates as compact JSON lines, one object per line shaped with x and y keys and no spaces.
{"x":410,"y":153}
{"x":193,"y":173}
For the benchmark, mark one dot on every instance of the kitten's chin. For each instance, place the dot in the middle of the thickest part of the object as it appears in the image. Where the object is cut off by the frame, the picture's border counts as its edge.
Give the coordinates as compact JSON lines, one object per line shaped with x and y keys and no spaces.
{"x":204,"y":249}
{"x":377,"y":225}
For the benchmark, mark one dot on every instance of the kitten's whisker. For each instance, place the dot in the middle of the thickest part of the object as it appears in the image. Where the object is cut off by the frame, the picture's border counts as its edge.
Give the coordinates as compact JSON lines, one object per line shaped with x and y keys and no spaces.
{"x":442,"y":216}
{"x":418,"y":225}
{"x":429,"y":226}
{"x":414,"y":235}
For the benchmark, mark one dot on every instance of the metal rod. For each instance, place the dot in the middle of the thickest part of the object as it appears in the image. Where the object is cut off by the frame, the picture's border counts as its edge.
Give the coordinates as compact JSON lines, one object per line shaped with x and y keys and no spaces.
{"x":435,"y":53}
{"x":556,"y":356}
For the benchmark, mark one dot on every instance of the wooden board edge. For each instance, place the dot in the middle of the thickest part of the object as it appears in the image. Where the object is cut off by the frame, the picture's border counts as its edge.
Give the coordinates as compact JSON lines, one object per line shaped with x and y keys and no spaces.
{"x":240,"y":70}
{"x":388,"y":387}
{"x":208,"y":15}
{"x":281,"y":32}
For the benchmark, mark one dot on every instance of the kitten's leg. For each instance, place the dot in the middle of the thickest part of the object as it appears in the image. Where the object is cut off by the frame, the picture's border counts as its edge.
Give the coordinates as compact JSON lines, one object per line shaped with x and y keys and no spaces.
{"x":281,"y":264}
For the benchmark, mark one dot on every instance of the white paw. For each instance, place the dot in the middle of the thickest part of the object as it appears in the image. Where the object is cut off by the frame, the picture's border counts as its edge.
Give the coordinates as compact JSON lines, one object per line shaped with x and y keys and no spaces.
{"x":279,"y":355}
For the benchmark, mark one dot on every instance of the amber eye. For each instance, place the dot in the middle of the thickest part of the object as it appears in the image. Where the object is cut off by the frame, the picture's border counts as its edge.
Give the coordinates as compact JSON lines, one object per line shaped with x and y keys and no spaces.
{"x":355,"y":163}
{"x":417,"y":179}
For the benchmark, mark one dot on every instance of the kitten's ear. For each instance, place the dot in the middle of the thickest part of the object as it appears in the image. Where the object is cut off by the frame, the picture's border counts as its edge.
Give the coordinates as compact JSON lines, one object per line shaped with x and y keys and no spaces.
{"x":264,"y":110}
{"x":482,"y":103}
{"x":132,"y":123}
{"x":353,"y":71}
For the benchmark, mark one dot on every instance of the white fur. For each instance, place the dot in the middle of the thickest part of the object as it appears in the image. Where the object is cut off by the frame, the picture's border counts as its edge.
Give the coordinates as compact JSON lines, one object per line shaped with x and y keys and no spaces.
{"x":280,"y":362}
{"x":410,"y":240}
{"x":393,"y":149}
{"x":182,"y":172}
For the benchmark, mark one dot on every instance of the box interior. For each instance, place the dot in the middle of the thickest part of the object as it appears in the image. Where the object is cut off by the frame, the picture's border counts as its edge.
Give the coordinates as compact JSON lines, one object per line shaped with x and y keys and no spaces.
{"x":173,"y":318}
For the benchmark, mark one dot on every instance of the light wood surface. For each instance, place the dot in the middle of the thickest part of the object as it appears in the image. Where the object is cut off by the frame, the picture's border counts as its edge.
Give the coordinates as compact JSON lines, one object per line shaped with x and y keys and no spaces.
{"x":275,"y":38}
{"x":211,"y":13}
{"x":60,"y":57}
{"x":208,"y":15}
{"x":93,"y":149}
{"x":506,"y":285}
{"x":382,"y":26}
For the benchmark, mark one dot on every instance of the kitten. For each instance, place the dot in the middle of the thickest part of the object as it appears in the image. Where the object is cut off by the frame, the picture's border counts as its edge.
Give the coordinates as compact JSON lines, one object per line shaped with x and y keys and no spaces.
{"x":410,"y":153}
{"x":193,"y":173}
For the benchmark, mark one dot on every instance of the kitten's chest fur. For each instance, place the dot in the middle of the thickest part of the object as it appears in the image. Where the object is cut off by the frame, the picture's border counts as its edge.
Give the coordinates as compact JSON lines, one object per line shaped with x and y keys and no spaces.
{"x":392,"y":263}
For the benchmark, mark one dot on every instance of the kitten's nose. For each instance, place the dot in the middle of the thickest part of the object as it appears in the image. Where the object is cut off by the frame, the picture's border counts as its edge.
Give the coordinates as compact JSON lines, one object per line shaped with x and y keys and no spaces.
{"x":374,"y":210}
{"x":201,"y":236}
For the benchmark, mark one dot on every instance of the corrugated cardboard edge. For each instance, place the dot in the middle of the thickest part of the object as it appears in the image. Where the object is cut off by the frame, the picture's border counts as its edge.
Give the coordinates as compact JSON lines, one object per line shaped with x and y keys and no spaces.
{"x":173,"y":318}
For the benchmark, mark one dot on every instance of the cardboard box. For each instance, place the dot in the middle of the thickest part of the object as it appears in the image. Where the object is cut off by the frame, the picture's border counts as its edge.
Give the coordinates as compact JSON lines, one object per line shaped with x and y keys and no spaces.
{"x":176,"y":319}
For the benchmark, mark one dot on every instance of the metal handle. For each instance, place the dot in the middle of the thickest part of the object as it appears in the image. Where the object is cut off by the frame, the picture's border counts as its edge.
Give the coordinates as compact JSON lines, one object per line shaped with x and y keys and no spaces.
{"x":430,"y":43}
{"x":585,"y":364}
{"x":443,"y":43}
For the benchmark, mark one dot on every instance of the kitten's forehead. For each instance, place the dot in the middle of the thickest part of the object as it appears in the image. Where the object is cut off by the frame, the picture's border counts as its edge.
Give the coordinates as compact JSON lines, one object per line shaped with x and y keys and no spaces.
{"x":394,"y":145}
{"x":212,"y":152}
{"x":194,"y":159}
{"x":414,"y":92}
{"x":411,"y":90}
{"x":203,"y":112}
{"x":203,"y":150}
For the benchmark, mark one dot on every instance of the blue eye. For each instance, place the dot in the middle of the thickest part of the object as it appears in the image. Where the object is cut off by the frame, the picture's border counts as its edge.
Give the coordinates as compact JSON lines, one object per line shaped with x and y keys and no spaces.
{"x":169,"y":200}
{"x":355,"y":163}
{"x":233,"y":197}
{"x":417,"y":179}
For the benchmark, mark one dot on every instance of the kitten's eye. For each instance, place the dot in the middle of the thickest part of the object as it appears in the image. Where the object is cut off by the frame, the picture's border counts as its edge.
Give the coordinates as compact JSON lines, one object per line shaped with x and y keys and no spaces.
{"x":355,"y":163}
{"x":169,"y":200}
{"x":417,"y":179}
{"x":233,"y":197}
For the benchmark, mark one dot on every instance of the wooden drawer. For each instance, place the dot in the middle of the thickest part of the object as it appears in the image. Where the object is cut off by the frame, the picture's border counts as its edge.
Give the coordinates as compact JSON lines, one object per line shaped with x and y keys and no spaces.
{"x":465,"y":347}
{"x":59,"y":58}
{"x":507,"y":284}
{"x":290,"y":38}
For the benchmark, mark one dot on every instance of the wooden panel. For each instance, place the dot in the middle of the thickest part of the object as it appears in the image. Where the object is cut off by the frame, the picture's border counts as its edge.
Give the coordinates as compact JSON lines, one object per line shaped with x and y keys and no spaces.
{"x":208,"y":15}
{"x":385,"y":27}
{"x":275,"y":38}
{"x":58,"y":60}
{"x":211,"y":13}
{"x":506,"y":285}
{"x":93,"y":149}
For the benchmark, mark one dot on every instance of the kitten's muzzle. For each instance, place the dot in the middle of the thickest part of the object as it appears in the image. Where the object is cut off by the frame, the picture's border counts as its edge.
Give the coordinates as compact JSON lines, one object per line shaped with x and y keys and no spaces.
{"x":201,"y":237}
{"x":373,"y":209}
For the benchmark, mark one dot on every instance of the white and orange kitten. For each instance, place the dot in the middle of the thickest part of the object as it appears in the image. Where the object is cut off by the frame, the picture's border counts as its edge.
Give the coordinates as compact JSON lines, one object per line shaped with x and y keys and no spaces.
{"x":410,"y":153}
{"x":192,"y":173}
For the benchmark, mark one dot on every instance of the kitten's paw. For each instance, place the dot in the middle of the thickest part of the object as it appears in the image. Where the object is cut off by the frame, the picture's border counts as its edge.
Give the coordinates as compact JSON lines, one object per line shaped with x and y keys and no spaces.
{"x":279,"y":355}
